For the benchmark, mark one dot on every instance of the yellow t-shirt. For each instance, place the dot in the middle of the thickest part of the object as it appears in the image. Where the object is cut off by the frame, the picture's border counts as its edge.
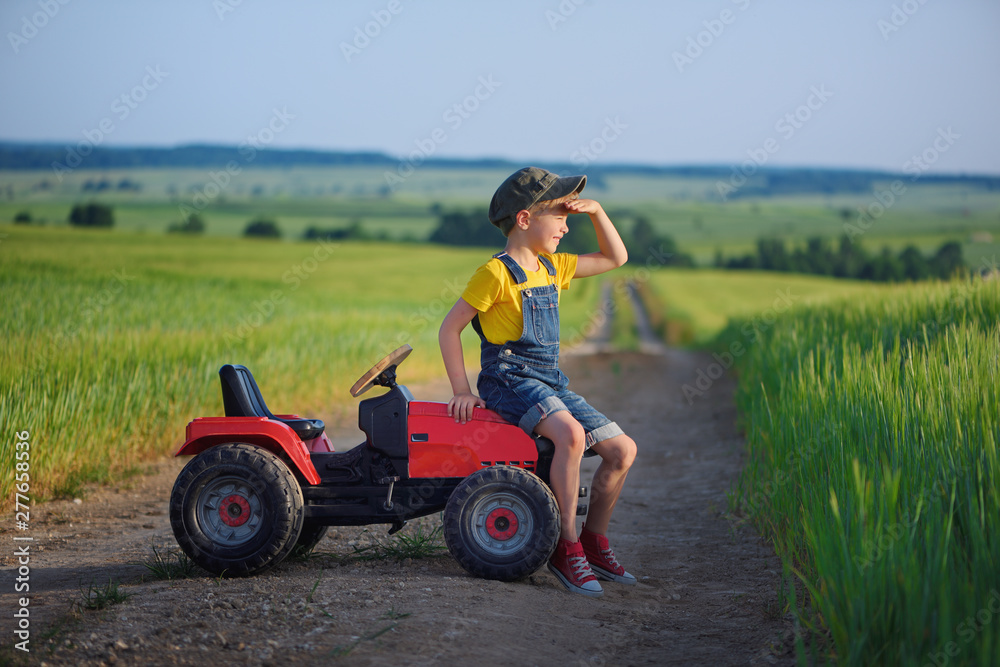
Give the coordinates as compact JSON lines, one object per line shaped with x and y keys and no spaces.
{"x":493,"y":292}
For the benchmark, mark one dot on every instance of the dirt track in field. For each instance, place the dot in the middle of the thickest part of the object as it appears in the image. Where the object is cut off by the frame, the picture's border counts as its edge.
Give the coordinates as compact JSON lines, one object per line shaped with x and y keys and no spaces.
{"x":706,"y":595}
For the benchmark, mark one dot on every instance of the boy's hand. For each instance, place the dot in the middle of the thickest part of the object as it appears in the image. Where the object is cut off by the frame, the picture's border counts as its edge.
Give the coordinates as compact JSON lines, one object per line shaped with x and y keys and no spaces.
{"x":612,"y":253}
{"x":587,"y":206}
{"x":460,"y":406}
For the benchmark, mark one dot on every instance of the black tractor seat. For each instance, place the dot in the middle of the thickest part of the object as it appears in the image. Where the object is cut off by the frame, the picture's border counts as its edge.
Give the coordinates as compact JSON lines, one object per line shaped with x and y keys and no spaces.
{"x":242,"y":398}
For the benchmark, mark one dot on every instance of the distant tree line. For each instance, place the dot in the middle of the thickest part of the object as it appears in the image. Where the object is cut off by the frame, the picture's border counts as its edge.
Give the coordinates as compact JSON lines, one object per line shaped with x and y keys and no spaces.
{"x":124,"y":185}
{"x":473,"y":228}
{"x":81,"y":215}
{"x":262,"y":228}
{"x":850,"y":260}
{"x":643,"y":242}
{"x":465,"y":228}
{"x":766,"y":181}
{"x":91,"y":215}
{"x":354,"y":231}
{"x":192,"y":224}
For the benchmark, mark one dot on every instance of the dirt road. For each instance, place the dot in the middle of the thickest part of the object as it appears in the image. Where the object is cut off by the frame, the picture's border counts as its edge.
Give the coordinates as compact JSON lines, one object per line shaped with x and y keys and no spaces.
{"x":706,"y":593}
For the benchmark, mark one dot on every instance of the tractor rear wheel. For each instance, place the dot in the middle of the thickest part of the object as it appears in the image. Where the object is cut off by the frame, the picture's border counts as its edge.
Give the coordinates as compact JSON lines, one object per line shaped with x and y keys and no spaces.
{"x":236,"y":509}
{"x":501,"y":523}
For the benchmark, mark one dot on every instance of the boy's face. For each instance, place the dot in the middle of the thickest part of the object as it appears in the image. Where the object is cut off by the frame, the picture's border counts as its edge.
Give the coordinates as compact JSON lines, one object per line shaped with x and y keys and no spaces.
{"x":547,"y":226}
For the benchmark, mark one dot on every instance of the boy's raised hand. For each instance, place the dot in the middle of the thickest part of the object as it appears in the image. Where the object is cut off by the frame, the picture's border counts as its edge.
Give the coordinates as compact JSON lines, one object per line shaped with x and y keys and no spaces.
{"x":612,"y":253}
{"x":587,"y":206}
{"x":460,"y":406}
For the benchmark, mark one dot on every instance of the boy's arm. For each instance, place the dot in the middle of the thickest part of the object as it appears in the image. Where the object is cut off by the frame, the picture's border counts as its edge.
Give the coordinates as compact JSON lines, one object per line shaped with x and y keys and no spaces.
{"x":612,"y":252}
{"x":450,"y":338}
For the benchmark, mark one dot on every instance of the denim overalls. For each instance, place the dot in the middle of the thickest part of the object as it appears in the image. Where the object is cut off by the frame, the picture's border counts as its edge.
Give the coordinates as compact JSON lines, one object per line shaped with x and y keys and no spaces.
{"x":520,"y":380}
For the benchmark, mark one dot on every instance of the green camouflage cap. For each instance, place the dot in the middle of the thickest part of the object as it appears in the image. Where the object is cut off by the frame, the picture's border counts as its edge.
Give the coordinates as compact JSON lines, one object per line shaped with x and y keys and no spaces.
{"x":525,"y":188}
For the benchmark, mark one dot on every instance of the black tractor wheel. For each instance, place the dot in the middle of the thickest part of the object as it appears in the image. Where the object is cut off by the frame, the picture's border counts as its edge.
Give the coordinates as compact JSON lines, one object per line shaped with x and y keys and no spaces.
{"x":309,"y":537}
{"x":501,"y":523}
{"x":236,"y":509}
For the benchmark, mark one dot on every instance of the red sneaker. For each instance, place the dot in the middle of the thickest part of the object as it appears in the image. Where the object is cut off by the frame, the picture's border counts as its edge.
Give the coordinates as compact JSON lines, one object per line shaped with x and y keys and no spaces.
{"x":570,"y":566}
{"x":602,"y":559}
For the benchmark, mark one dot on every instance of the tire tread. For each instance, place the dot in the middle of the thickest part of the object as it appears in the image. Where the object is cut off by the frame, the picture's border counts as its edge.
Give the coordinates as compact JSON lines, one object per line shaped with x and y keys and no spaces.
{"x":287,"y":513}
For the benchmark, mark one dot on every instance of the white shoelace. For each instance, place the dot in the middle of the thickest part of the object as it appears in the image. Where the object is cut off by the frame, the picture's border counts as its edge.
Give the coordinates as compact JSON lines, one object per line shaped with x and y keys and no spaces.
{"x":581,"y":568}
{"x":609,"y":556}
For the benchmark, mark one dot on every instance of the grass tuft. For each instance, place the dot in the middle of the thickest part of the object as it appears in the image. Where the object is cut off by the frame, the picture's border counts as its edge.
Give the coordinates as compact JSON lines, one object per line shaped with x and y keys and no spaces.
{"x":101,"y":597}
{"x":403,"y":545}
{"x":170,"y":565}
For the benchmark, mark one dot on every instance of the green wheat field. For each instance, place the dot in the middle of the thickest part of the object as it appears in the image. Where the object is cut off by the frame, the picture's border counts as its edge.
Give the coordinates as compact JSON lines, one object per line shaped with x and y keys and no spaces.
{"x":873,"y":427}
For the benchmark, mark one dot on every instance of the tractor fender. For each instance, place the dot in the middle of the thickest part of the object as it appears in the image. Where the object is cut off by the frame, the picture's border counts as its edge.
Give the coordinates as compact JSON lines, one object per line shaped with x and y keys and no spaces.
{"x":271,"y":435}
{"x":441,"y":447}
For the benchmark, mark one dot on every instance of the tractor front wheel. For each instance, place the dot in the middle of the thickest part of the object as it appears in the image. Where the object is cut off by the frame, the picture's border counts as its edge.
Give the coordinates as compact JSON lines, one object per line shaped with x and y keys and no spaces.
{"x":501,"y":523}
{"x":236,"y":509}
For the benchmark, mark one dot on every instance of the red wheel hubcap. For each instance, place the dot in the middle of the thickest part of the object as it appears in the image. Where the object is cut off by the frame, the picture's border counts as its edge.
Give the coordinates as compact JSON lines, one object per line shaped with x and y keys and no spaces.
{"x":234,"y":510}
{"x":501,"y":524}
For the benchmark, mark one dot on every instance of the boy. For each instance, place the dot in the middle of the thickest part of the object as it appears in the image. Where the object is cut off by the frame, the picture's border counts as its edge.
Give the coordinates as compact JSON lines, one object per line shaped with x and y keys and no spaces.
{"x":512,"y":302}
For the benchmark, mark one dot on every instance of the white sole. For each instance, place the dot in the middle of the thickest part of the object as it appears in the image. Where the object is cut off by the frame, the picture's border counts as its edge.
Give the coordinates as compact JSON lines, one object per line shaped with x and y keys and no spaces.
{"x":611,"y":576}
{"x":574,"y":589}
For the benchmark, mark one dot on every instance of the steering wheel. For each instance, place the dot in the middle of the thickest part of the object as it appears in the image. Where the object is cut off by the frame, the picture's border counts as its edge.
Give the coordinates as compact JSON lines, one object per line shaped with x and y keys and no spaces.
{"x":388,"y":362}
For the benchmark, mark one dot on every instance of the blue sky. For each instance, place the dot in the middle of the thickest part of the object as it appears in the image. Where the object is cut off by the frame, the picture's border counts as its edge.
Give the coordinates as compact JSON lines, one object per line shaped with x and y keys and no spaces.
{"x":858,"y":84}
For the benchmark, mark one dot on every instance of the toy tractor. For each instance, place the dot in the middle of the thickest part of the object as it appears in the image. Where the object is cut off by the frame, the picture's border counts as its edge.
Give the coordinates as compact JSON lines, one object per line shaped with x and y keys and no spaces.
{"x":261,"y":484}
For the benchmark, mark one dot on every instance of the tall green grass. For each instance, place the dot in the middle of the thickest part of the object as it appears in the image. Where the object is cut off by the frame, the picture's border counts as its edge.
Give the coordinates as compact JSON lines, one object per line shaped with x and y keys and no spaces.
{"x":112,"y":341}
{"x":872,"y":428}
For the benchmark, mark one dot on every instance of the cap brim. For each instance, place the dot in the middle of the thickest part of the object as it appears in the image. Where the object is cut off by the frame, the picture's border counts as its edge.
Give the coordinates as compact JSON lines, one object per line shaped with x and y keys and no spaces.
{"x":564,"y":186}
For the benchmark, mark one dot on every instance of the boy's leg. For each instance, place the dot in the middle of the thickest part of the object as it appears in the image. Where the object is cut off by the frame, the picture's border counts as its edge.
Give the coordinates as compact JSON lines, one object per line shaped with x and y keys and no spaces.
{"x":617,"y":455}
{"x":569,"y":439}
{"x":568,"y":562}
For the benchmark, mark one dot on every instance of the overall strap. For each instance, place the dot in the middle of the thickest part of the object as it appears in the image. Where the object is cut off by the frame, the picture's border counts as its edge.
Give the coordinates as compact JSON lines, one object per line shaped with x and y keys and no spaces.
{"x":477,"y":327}
{"x":519,"y":276}
{"x":548,"y":265}
{"x":515,"y":269}
{"x":517,"y":272}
